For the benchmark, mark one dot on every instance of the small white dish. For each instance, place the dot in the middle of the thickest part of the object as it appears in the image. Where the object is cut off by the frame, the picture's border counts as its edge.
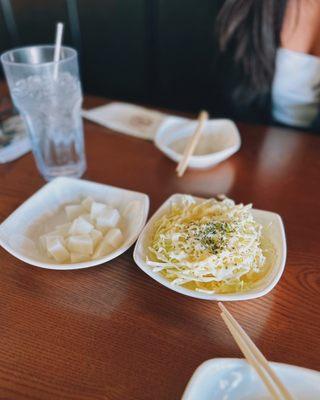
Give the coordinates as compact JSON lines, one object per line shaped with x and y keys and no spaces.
{"x":235,"y":379}
{"x":19,"y":233}
{"x":219,"y":140}
{"x":273,"y":230}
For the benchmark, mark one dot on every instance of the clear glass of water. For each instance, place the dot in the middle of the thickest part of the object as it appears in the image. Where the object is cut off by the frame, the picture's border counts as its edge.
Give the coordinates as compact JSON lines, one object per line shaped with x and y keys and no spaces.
{"x":48,"y":96}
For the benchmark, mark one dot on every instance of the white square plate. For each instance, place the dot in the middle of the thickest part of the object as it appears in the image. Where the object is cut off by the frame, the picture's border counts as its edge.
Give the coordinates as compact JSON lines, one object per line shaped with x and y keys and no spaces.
{"x":221,"y":137}
{"x":273,"y":231}
{"x":234,"y":379}
{"x":39,"y":214}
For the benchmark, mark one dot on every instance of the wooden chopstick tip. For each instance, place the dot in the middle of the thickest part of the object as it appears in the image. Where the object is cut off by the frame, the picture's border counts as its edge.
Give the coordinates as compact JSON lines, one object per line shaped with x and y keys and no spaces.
{"x":204,"y":115}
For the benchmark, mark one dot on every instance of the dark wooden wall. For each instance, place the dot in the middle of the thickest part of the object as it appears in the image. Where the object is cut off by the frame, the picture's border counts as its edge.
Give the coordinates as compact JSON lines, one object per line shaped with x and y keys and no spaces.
{"x":160,"y":52}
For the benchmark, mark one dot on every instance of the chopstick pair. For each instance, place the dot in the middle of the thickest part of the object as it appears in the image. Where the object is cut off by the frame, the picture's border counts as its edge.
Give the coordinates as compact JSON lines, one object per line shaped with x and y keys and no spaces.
{"x":254,"y":357}
{"x":192,"y":144}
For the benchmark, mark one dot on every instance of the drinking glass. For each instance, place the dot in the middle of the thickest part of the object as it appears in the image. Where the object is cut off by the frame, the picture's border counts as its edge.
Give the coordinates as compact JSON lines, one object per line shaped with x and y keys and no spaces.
{"x":48,"y":96}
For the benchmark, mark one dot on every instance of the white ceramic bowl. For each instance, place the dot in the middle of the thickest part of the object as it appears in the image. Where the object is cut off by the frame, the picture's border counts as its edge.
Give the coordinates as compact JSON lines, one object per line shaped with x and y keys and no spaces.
{"x":234,"y":379}
{"x":20,"y":231}
{"x":273,"y":231}
{"x":219,"y":140}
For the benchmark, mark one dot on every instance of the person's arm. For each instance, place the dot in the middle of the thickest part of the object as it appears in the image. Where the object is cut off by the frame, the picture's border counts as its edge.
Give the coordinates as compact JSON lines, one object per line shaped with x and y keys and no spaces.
{"x":296,"y":89}
{"x":301,"y":27}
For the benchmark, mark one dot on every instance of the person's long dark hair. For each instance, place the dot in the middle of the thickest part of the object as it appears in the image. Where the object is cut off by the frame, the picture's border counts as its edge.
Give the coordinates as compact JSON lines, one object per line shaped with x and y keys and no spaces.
{"x":250,"y":29}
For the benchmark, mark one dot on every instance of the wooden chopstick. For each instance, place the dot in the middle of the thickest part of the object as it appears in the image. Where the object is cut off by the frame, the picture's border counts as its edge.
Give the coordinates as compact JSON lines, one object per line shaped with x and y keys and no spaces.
{"x":255,"y":357}
{"x":192,"y":143}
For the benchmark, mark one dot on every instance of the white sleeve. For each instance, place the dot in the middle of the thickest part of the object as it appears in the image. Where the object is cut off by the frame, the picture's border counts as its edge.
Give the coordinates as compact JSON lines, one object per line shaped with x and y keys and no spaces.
{"x":295,"y":99}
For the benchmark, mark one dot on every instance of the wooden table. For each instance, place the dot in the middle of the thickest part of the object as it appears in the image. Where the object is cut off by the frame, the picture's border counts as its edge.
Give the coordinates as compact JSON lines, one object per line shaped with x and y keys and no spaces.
{"x":111,"y":332}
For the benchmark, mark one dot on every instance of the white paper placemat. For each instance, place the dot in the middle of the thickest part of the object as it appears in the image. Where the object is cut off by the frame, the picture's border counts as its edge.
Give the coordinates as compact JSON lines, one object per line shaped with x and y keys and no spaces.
{"x":127,"y":118}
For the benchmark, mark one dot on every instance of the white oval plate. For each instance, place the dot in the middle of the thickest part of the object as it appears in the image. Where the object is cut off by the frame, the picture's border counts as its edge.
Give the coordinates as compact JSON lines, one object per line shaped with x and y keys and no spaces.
{"x":234,"y":379}
{"x":19,"y":233}
{"x":273,"y":230}
{"x":222,"y":135}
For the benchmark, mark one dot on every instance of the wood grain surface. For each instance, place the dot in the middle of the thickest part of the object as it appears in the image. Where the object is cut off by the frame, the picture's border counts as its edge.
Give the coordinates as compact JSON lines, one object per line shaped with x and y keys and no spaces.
{"x":111,"y":332}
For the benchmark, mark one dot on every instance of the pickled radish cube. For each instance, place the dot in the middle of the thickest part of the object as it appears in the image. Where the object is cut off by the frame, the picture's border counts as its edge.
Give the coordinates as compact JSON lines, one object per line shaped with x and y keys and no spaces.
{"x":97,"y":209}
{"x":43,"y":240}
{"x":103,"y":249}
{"x":132,"y":207}
{"x":63,"y":229}
{"x":80,"y":226}
{"x":114,"y":237}
{"x":88,"y":218}
{"x":78,"y":257}
{"x":108,"y":219}
{"x":74,"y":211}
{"x":82,"y":244}
{"x":87,"y":202}
{"x":96,"y":236}
{"x":56,"y":249}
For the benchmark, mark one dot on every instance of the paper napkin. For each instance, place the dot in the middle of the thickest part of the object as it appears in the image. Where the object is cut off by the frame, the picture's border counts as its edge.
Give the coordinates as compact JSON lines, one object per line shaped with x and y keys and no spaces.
{"x":127,"y":118}
{"x":14,"y":141}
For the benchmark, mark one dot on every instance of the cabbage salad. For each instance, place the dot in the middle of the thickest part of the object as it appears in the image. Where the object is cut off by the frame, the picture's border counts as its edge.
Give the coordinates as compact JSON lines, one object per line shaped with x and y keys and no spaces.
{"x":211,"y":246}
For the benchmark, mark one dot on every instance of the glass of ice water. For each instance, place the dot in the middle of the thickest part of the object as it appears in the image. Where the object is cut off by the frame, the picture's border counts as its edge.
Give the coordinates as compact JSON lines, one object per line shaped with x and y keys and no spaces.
{"x":48,"y":96}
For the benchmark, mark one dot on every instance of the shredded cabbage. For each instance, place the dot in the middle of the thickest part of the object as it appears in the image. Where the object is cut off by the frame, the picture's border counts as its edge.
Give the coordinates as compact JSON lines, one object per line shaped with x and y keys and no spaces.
{"x":210,"y":246}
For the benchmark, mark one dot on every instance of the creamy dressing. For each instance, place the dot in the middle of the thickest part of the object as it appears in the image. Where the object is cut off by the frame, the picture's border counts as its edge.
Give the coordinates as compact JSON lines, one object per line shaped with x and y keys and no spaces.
{"x":207,"y":144}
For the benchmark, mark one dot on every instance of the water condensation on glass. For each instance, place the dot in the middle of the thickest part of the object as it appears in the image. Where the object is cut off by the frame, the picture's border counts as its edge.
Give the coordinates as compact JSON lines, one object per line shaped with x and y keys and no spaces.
{"x":52,"y":110}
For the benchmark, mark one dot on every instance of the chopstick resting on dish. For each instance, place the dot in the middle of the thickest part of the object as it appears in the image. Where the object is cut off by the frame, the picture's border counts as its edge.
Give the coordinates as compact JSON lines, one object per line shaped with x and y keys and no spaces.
{"x":192,"y":144}
{"x":254,"y":357}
